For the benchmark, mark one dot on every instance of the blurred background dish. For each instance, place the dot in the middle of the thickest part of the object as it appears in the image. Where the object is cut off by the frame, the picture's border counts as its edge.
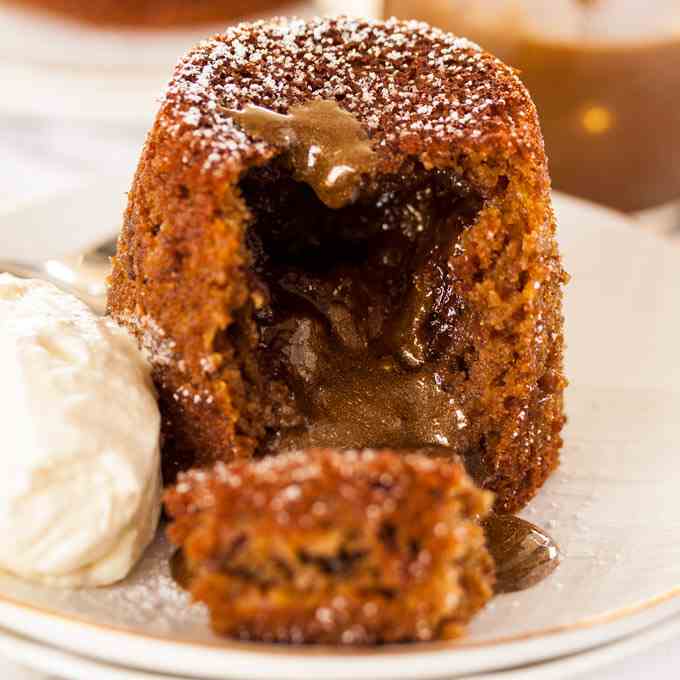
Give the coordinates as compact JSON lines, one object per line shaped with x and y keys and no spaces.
{"x":79,"y":97}
{"x":148,"y":13}
{"x":56,"y":68}
{"x":605,"y":76}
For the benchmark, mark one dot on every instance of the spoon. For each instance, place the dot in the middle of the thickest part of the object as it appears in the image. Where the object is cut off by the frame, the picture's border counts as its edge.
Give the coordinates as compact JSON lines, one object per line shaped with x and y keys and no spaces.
{"x":84,"y":275}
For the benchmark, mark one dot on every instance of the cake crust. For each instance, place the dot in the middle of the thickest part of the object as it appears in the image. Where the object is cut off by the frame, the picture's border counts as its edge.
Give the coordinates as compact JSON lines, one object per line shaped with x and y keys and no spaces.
{"x":321,"y":546}
{"x":428,"y":102}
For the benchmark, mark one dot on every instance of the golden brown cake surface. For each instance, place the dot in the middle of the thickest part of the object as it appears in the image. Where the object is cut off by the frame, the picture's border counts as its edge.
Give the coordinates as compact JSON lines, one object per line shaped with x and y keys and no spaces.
{"x":334,"y":547}
{"x":424,"y":311}
{"x":149,"y":13}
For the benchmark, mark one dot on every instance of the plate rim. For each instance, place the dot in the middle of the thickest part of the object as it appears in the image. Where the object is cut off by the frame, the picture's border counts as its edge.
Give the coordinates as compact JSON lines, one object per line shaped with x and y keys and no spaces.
{"x":588,"y":660}
{"x":152,"y":653}
{"x":336,"y":651}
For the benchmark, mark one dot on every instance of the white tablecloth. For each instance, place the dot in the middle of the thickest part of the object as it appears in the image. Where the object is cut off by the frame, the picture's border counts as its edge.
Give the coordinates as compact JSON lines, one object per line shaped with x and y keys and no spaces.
{"x":38,"y":158}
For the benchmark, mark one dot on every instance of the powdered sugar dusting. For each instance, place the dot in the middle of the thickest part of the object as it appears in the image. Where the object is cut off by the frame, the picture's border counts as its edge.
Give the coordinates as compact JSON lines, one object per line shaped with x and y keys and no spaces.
{"x":148,"y":601}
{"x":407,"y":83}
{"x":159,"y":349}
{"x":150,"y":597}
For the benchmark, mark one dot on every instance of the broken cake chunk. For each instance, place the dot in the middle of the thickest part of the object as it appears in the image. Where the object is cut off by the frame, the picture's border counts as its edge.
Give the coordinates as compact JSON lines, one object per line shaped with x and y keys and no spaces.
{"x":325,"y":546}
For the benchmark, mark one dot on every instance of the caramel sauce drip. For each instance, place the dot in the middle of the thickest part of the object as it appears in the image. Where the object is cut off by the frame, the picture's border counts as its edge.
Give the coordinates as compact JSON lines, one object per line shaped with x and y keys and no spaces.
{"x":524,"y":554}
{"x":329,"y":149}
{"x":362,"y":329}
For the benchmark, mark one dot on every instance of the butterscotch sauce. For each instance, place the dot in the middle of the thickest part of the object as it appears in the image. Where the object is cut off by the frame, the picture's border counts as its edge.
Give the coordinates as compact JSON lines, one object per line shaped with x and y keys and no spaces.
{"x":360,"y":362}
{"x":524,"y":554}
{"x":610,"y":118}
{"x":329,"y":148}
{"x":362,"y":322}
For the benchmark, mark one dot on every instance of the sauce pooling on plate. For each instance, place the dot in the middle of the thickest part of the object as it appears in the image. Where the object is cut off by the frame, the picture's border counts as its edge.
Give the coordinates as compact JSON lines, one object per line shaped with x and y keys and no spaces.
{"x":524,"y":554}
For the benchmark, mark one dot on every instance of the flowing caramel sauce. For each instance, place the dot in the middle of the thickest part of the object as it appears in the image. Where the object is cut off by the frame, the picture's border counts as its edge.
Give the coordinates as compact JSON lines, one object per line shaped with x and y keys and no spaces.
{"x":329,"y":148}
{"x":523,"y":552}
{"x":358,"y":312}
{"x":366,"y":345}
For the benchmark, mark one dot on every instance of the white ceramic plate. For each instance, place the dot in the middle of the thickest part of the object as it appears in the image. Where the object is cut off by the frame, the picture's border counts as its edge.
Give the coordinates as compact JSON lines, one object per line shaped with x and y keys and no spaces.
{"x":613,"y":506}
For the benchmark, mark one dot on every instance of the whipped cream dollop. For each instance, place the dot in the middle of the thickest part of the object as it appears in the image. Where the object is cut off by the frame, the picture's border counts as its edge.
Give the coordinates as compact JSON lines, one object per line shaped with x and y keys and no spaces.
{"x":79,"y":443}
